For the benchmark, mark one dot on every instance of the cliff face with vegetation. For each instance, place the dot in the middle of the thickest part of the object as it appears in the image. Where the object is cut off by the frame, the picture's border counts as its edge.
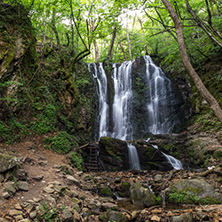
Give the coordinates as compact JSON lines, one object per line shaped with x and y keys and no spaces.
{"x":35,"y":98}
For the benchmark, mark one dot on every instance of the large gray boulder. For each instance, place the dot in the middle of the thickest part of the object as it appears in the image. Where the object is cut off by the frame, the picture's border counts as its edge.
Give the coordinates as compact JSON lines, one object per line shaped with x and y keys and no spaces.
{"x":140,"y":195}
{"x":193,"y":191}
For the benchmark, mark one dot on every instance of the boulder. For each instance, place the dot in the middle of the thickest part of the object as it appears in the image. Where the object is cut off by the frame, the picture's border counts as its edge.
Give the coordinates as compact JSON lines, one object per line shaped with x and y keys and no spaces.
{"x":112,"y":216}
{"x":114,"y":154}
{"x":140,"y":195}
{"x":150,"y":157}
{"x":182,"y":218}
{"x":193,"y":191}
{"x":7,"y":162}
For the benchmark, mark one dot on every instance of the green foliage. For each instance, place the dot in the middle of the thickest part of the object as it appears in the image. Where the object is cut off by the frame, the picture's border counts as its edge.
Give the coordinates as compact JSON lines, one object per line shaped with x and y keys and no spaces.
{"x":47,"y":213}
{"x":46,"y":120}
{"x":181,"y":196}
{"x":76,"y":160}
{"x":62,"y":143}
{"x":13,"y":130}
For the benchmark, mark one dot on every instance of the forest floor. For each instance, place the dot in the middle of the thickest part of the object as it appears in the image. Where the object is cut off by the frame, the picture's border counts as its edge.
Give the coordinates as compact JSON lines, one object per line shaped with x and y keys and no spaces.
{"x":48,"y":172}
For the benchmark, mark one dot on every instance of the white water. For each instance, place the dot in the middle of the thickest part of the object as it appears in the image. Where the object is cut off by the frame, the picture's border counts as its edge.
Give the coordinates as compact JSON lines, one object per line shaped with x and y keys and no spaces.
{"x":133,"y":157}
{"x":158,"y":106}
{"x":122,"y":101}
{"x":159,"y":89}
{"x":100,"y":76}
{"x":175,"y":163}
{"x":122,"y":109}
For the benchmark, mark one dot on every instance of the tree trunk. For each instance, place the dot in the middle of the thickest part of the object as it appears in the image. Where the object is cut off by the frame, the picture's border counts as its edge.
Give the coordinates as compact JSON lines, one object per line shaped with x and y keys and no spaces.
{"x":187,"y":65}
{"x":112,"y":43}
{"x":96,"y":47}
{"x":128,"y":39}
{"x":210,"y":31}
{"x":123,"y":50}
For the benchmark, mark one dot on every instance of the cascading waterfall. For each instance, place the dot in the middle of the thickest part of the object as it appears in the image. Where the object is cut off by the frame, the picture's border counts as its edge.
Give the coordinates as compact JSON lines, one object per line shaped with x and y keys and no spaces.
{"x":160,"y":96}
{"x":122,"y":109}
{"x":175,"y":163}
{"x":122,"y":101}
{"x":101,"y":79}
{"x":158,"y":107}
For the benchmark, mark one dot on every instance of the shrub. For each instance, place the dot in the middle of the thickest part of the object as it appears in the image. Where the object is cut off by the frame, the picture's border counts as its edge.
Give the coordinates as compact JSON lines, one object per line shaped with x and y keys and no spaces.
{"x":76,"y":160}
{"x":62,"y":143}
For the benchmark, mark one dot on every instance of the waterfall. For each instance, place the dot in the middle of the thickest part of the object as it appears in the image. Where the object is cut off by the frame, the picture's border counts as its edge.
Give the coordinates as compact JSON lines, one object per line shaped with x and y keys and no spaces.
{"x":159,"y":103}
{"x":160,"y":99}
{"x":122,"y":101}
{"x":133,"y":157}
{"x":101,"y":79}
{"x":175,"y":163}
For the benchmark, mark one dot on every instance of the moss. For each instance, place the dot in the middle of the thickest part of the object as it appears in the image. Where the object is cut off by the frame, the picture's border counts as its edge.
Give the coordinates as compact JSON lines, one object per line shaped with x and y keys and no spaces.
{"x":217,"y":154}
{"x":106,"y":191}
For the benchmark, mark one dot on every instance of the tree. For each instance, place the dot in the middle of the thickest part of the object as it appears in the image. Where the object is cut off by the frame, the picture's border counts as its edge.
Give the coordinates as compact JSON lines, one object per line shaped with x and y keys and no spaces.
{"x":187,"y":65}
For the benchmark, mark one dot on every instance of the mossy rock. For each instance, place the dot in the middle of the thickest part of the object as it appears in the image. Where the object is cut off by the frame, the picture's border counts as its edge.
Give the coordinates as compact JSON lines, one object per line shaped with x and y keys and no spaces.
{"x":193,"y":191}
{"x":143,"y":196}
{"x":7,"y":162}
{"x":106,"y":192}
{"x":113,"y":216}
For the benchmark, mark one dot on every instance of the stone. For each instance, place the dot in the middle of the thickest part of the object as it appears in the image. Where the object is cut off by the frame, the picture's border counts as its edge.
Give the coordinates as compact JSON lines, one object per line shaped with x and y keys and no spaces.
{"x":106,"y":192}
{"x":43,"y":163}
{"x":67,"y":216}
{"x":32,"y":215}
{"x":7,"y":162}
{"x":48,"y":190}
{"x":18,"y":207}
{"x":6,"y":195}
{"x":10,"y":187}
{"x":22,"y":185}
{"x":111,"y":215}
{"x":76,"y":216}
{"x":76,"y":200}
{"x":19,"y":217}
{"x":108,"y":206}
{"x":38,"y":178}
{"x":182,"y":218}
{"x":15,"y":212}
{"x":24,"y":220}
{"x":21,"y":174}
{"x":141,"y":195}
{"x":2,"y":177}
{"x":72,"y":180}
{"x":158,"y":177}
{"x":198,"y":188}
{"x":155,"y":218}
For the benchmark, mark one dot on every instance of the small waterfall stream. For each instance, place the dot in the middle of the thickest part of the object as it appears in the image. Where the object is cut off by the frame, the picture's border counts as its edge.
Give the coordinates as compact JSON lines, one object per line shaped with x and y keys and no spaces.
{"x":159,"y":87}
{"x":158,"y":108}
{"x":123,"y":96}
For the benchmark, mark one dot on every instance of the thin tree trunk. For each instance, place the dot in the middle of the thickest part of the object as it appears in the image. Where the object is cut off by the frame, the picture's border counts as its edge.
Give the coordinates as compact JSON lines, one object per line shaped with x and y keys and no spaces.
{"x":123,"y":50}
{"x":187,"y":65}
{"x":208,"y":30}
{"x":128,"y":39}
{"x":112,"y":42}
{"x":96,"y":47}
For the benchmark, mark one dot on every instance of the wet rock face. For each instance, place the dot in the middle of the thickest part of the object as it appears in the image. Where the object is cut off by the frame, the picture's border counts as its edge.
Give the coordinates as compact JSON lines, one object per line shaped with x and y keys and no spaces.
{"x":151,"y":158}
{"x":179,"y":104}
{"x":114,"y":154}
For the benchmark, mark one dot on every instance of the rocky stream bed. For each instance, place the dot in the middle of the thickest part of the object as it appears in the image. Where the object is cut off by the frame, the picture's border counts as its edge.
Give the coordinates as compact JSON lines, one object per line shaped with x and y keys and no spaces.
{"x":39,"y":185}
